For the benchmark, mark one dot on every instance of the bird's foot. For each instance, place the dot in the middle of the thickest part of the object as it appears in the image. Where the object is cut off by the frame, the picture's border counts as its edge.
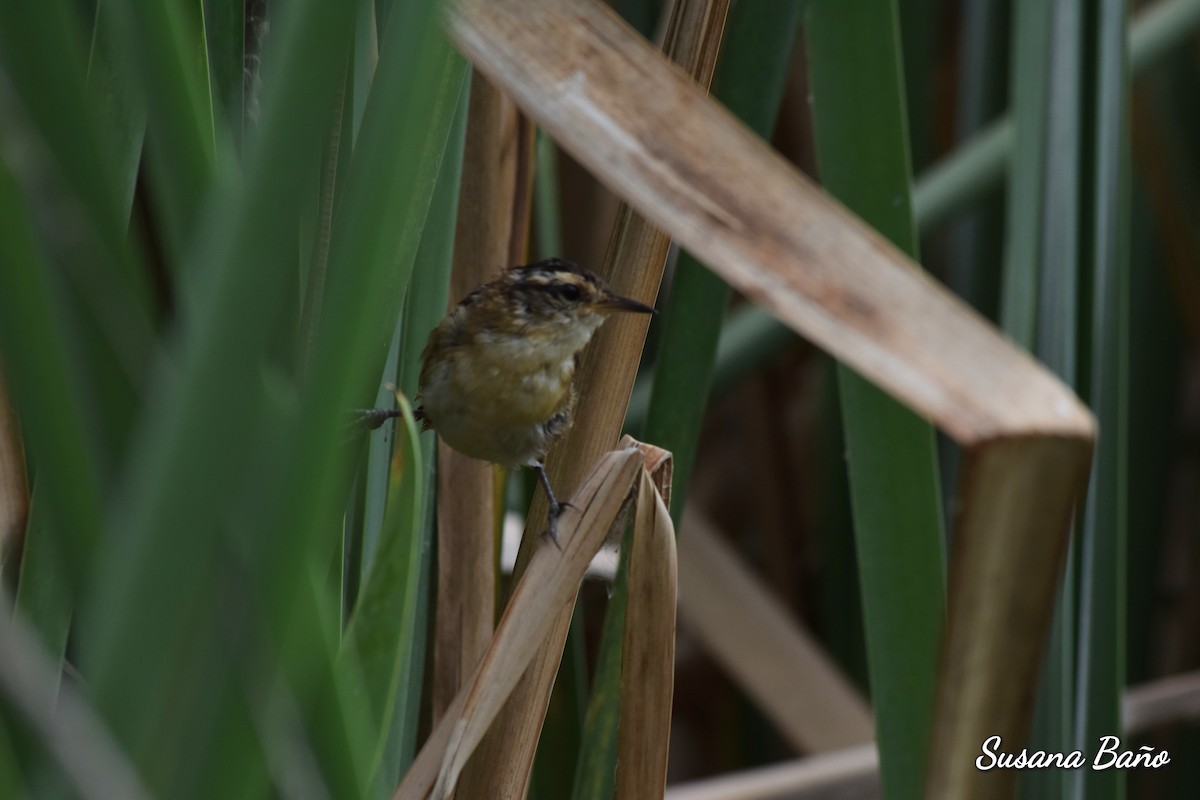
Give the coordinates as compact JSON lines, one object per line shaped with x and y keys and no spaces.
{"x":555,"y":507}
{"x":373,"y":418}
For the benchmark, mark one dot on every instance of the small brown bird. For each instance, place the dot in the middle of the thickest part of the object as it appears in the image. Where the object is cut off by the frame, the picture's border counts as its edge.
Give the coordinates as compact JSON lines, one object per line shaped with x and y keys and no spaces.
{"x":497,"y":375}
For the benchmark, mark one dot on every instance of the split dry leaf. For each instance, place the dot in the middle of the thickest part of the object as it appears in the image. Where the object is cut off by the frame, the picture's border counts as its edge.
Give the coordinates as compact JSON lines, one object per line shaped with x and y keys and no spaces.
{"x":548,"y":586}
{"x":648,"y":649}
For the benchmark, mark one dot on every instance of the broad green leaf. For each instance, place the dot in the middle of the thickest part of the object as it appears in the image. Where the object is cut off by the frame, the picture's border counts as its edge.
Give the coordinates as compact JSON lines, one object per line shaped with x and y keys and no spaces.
{"x":1040,"y":304}
{"x":750,"y":80}
{"x":151,"y":608}
{"x":380,"y":634}
{"x":44,"y":386}
{"x":862,"y":157}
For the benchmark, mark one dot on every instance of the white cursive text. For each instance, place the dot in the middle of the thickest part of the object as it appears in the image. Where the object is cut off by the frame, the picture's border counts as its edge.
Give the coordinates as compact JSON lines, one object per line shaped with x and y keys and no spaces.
{"x":1108,"y":756}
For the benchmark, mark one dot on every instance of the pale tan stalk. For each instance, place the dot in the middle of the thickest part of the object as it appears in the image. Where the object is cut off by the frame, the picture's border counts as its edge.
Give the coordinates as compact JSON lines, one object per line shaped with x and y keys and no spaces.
{"x":654,"y":138}
{"x":523,"y":137}
{"x":466,"y":582}
{"x":1167,"y":700}
{"x":850,"y":774}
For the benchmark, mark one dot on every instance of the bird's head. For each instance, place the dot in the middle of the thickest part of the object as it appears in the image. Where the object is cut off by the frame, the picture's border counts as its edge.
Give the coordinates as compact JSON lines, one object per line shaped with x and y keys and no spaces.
{"x":558,"y":288}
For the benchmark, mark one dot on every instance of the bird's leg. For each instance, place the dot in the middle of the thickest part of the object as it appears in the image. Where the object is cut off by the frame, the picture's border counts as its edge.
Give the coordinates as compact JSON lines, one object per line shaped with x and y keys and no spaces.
{"x":555,"y":507}
{"x":373,"y":418}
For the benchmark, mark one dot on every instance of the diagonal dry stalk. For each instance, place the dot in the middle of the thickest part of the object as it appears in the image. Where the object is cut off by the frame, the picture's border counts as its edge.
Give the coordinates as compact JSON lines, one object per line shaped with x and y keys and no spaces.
{"x":550,"y":583}
{"x":849,"y":773}
{"x":655,"y":139}
{"x":758,"y":642}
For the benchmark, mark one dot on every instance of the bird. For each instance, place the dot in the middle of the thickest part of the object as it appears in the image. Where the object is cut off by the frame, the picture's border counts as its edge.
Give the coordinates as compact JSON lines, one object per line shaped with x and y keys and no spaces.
{"x":497,"y":373}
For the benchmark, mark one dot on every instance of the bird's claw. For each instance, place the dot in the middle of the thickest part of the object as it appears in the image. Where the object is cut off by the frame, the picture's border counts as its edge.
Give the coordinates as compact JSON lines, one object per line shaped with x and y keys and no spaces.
{"x":552,"y":522}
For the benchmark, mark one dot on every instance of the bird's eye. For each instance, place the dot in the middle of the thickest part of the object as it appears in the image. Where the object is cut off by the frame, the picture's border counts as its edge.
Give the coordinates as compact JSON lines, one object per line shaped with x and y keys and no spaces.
{"x":568,"y":291}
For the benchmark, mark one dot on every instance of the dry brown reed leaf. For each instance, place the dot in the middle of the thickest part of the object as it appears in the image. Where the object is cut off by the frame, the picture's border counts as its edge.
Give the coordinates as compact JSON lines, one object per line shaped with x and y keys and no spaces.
{"x":1016,"y":500}
{"x":659,"y":463}
{"x":759,"y":643}
{"x":633,"y":266}
{"x":655,"y":139}
{"x":694,"y":170}
{"x":550,"y":583}
{"x":648,"y":650}
{"x":14,"y":486}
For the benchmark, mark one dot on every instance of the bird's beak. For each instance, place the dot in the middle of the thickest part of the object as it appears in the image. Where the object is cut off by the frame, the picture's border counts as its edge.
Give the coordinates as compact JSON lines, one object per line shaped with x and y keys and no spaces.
{"x":614,"y":303}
